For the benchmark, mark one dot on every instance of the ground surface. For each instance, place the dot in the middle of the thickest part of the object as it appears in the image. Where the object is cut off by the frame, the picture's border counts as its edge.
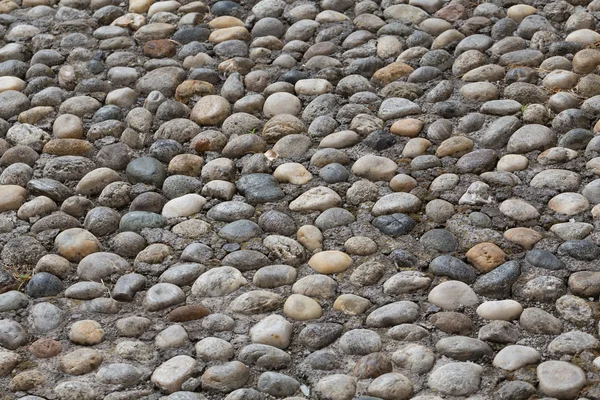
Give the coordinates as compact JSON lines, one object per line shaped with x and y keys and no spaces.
{"x":330,"y":200}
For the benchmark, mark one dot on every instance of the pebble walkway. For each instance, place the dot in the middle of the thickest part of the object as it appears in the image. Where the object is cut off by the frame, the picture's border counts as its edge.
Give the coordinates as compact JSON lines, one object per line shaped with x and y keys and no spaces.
{"x":299,"y":199}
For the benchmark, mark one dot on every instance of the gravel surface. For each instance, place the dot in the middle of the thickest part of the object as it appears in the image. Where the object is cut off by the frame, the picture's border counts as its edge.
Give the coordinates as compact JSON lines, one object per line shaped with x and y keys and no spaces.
{"x":329,"y":200}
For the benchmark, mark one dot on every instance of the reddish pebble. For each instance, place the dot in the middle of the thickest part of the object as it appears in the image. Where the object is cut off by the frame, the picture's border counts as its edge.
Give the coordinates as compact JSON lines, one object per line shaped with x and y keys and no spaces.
{"x":45,"y":348}
{"x":188,"y":313}
{"x":160,"y":48}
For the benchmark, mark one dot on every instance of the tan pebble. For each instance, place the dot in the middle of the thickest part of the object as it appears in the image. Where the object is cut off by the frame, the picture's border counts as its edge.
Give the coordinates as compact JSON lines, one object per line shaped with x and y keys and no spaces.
{"x":27,"y":380}
{"x":486,"y":256}
{"x":210,"y":110}
{"x":190,"y":88}
{"x":225,"y":22}
{"x":140,"y":6}
{"x":86,"y":333}
{"x":132,"y":21}
{"x":293,"y":173}
{"x":524,"y":237}
{"x":455,"y":146}
{"x":518,"y":12}
{"x":351,"y":304}
{"x":8,"y":361}
{"x":76,"y":243}
{"x":38,"y":206}
{"x":391,"y":72}
{"x":596,"y":211}
{"x":583,"y":36}
{"x":225,"y":34}
{"x":81,"y":361}
{"x":7,"y":6}
{"x":403,"y":183}
{"x":67,"y":147}
{"x":445,"y":38}
{"x":310,"y":237}
{"x":569,"y":203}
{"x":410,"y":127}
{"x":319,"y":198}
{"x":415,"y":147}
{"x":585,"y":61}
{"x":163,"y":6}
{"x":198,"y":61}
{"x":11,"y":197}
{"x":375,"y":168}
{"x":512,"y":163}
{"x":95,"y":181}
{"x":68,"y":126}
{"x":154,"y":254}
{"x":360,"y":246}
{"x":330,"y":262}
{"x":330,"y":16}
{"x":301,"y":308}
{"x":186,"y":164}
{"x":11,"y":83}
{"x":34,"y":115}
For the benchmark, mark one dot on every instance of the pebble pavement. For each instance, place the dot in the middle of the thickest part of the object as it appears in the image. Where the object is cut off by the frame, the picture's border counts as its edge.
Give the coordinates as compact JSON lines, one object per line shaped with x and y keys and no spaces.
{"x":329,"y":200}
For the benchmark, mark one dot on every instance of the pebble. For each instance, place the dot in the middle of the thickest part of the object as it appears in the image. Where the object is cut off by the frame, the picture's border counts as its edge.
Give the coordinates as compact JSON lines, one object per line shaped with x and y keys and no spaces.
{"x":273,"y":330}
{"x":452,"y":294}
{"x":330,"y":262}
{"x":514,"y":357}
{"x":86,"y":332}
{"x":560,"y":379}
{"x":171,"y":374}
{"x":456,"y":379}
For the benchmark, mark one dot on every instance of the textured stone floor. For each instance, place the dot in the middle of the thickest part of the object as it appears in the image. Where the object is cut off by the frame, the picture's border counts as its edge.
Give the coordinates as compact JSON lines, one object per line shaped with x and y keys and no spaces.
{"x":329,"y":200}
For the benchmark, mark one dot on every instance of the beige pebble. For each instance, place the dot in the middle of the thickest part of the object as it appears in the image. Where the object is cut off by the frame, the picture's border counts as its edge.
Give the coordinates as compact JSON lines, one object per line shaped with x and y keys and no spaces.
{"x":403,"y":183}
{"x":293,"y":173}
{"x":11,"y":83}
{"x":583,"y":36}
{"x":416,"y":147}
{"x":518,"y":12}
{"x":225,"y":34}
{"x":319,"y":198}
{"x":524,"y":237}
{"x":374,"y":168}
{"x":330,"y":262}
{"x":505,"y":310}
{"x":410,"y":127}
{"x":301,"y":308}
{"x":140,"y":6}
{"x":455,"y":146}
{"x":569,"y":203}
{"x":225,"y":21}
{"x":351,"y":304}
{"x":360,"y":246}
{"x":512,"y":163}
{"x":310,"y":237}
{"x":11,"y":197}
{"x":86,"y":332}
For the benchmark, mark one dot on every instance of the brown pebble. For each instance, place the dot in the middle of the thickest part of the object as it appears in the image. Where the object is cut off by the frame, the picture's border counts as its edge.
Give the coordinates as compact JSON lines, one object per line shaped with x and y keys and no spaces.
{"x":452,"y":322}
{"x":190,"y":312}
{"x":190,"y":88}
{"x":486,"y":256}
{"x":160,"y":48}
{"x":68,"y":147}
{"x":372,"y":365}
{"x":26,"y":380}
{"x":45,"y":348}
